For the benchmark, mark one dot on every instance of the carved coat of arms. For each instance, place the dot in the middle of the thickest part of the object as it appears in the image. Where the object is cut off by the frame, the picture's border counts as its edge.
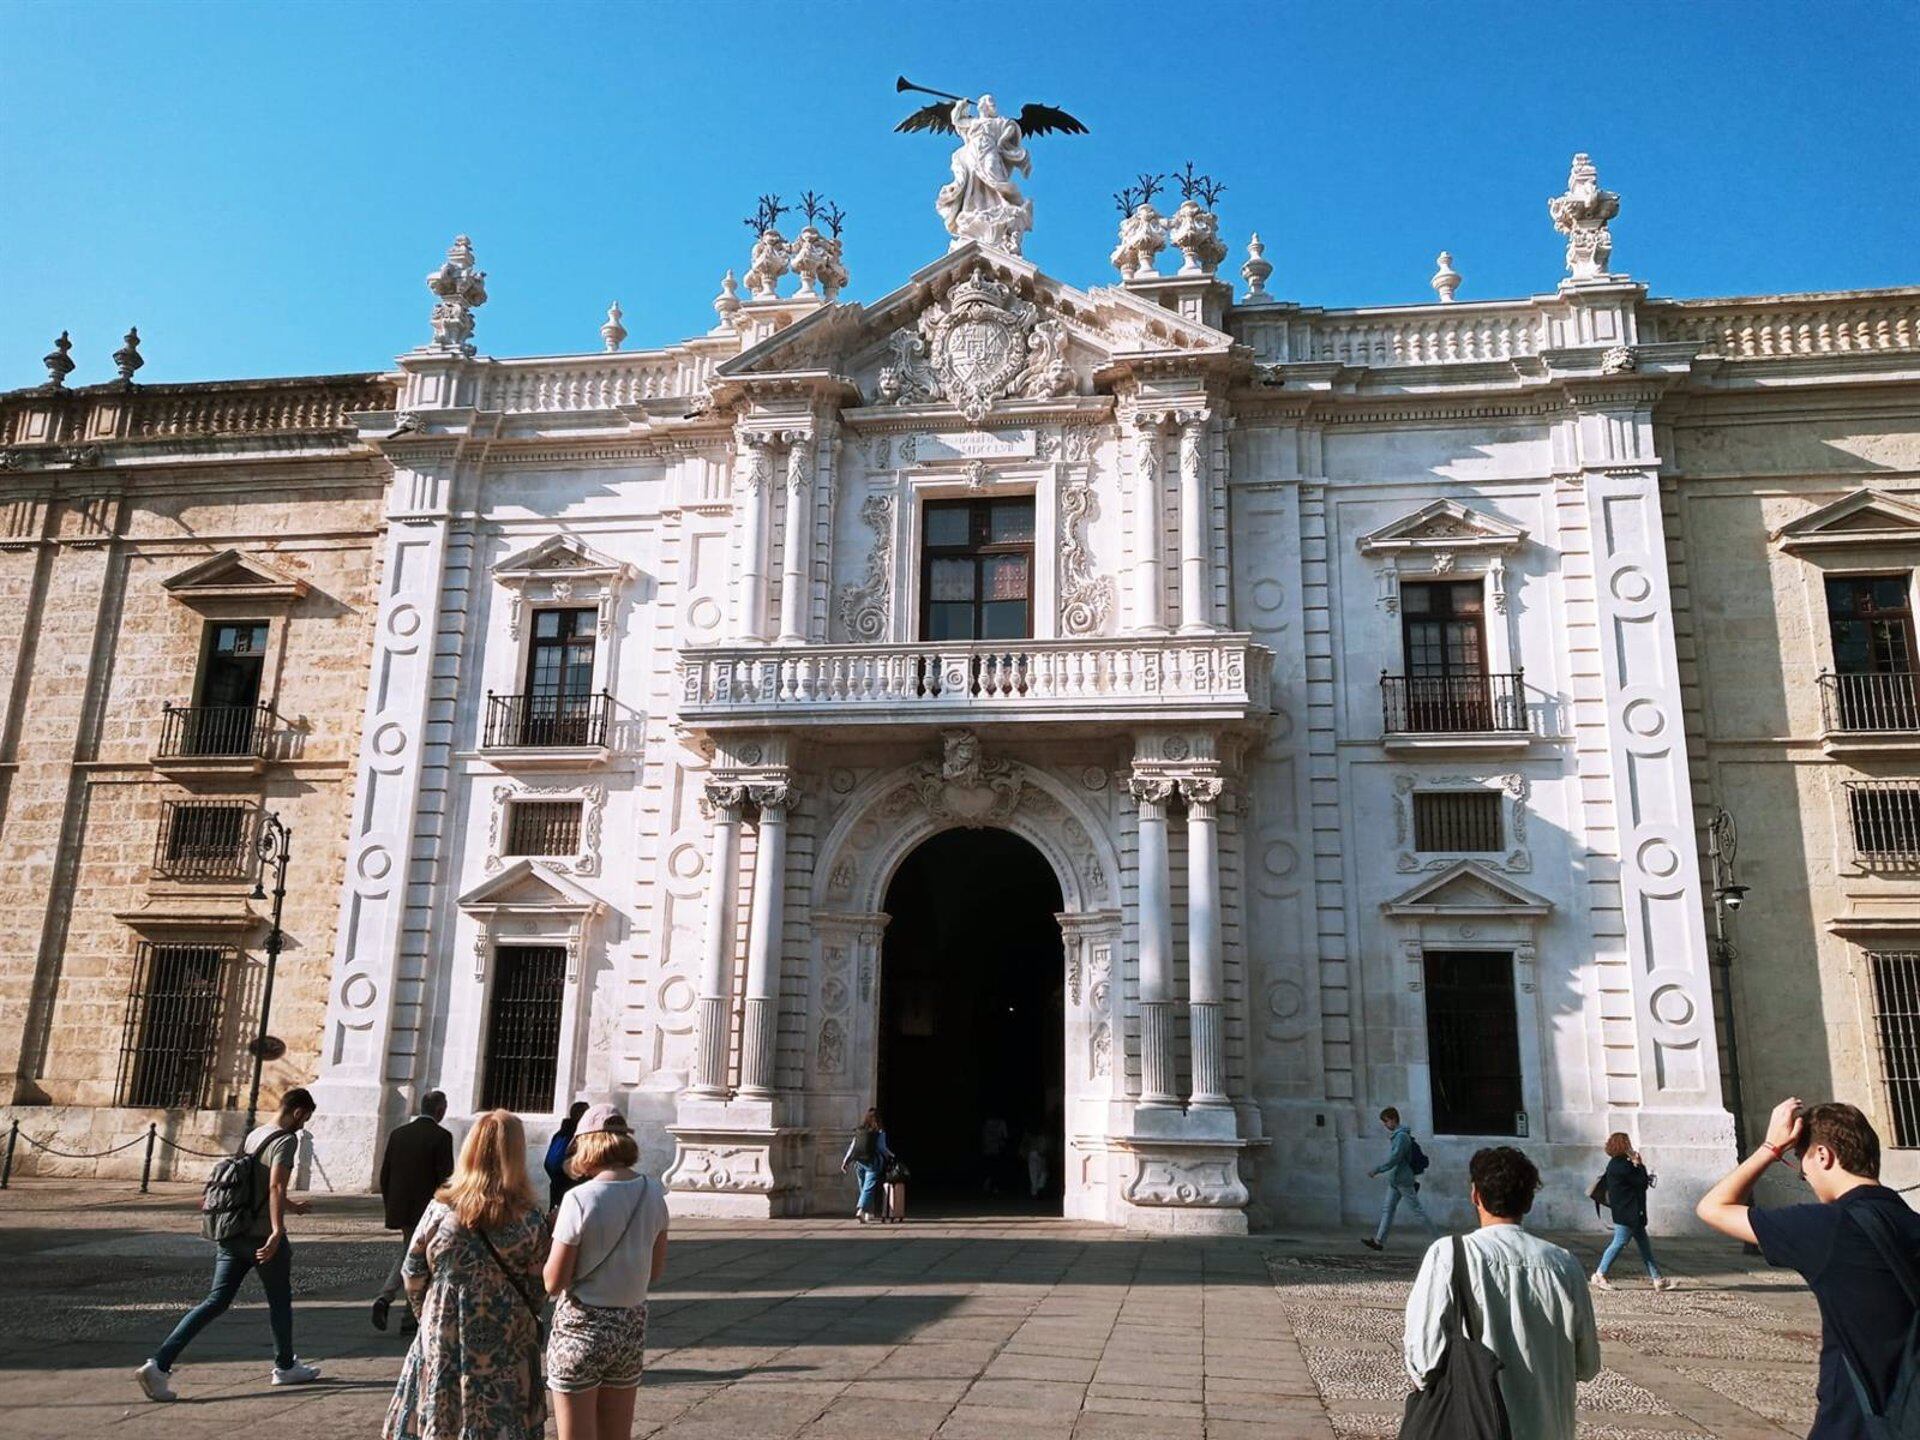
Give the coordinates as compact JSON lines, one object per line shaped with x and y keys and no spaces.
{"x":983,"y":344}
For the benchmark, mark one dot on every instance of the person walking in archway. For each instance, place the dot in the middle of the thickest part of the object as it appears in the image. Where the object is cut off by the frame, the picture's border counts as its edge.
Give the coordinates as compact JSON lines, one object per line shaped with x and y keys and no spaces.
{"x":1626,"y":1183}
{"x":867,"y":1154}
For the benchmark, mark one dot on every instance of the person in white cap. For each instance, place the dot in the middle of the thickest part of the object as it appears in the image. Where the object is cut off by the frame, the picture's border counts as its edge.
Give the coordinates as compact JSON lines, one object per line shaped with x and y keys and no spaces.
{"x":609,"y":1245}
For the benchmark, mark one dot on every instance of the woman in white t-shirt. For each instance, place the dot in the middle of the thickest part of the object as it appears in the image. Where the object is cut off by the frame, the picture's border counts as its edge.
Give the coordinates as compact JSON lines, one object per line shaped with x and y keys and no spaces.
{"x":609,"y":1244}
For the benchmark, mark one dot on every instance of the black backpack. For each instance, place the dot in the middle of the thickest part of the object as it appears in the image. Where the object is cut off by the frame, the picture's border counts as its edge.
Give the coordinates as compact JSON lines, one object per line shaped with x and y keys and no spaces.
{"x":231,"y":1194}
{"x":866,"y":1146}
{"x":1461,"y":1399}
{"x":1417,"y":1160}
{"x":1900,"y":1419}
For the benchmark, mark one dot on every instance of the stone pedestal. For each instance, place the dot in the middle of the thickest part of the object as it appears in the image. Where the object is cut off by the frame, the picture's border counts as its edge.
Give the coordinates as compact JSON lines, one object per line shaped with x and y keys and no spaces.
{"x":734,"y":1159}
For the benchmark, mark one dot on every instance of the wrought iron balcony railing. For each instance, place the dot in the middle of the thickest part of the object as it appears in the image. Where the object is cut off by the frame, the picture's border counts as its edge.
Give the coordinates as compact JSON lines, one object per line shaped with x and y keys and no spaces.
{"x":1876,"y":704}
{"x":1224,"y":674}
{"x":1885,"y":815}
{"x":1454,"y":704}
{"x":547,"y":722}
{"x":206,"y":840}
{"x":216,"y":732}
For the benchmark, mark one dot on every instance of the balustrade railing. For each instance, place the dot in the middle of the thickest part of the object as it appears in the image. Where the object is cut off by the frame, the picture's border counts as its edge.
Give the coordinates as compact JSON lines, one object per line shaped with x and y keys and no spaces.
{"x":1456,"y":334}
{"x":1870,"y":704}
{"x":216,"y":732}
{"x":1789,"y":325}
{"x":261,"y":409}
{"x":547,"y":722}
{"x":1011,"y":675}
{"x":1453,"y":704}
{"x":596,"y":382}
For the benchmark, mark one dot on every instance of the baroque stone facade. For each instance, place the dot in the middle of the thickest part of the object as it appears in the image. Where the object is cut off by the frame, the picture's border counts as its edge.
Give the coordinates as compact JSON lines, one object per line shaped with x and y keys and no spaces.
{"x":1361,"y":703}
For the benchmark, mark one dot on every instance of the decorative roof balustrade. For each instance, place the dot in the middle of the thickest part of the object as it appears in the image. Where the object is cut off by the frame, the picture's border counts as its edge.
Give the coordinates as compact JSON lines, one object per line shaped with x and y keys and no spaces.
{"x":1427,"y":338}
{"x":595,"y":382}
{"x":1788,"y":325}
{"x":1222,"y":677}
{"x":303,"y":405}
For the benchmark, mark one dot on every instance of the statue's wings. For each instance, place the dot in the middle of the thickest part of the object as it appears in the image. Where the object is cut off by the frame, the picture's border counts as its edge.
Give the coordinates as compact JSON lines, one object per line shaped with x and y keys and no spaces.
{"x":934,"y":119}
{"x":1044,"y":120}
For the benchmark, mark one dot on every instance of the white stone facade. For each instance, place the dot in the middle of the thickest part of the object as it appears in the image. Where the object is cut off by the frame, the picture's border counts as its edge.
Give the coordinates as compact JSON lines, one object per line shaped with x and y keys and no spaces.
{"x":1210,"y":735}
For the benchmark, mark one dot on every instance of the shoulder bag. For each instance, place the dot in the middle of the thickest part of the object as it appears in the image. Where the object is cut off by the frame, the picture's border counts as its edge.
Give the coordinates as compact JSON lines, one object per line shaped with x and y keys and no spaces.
{"x":1899,"y":1418}
{"x":1461,"y":1399}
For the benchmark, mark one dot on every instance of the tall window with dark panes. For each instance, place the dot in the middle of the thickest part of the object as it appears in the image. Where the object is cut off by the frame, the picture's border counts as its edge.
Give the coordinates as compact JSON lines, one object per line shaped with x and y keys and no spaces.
{"x":225,"y":719}
{"x":1473,"y":1042}
{"x":1443,"y":629}
{"x":559,"y":700}
{"x":977,"y":570}
{"x":523,"y":1028}
{"x":172,"y":1030}
{"x":1870,"y":621}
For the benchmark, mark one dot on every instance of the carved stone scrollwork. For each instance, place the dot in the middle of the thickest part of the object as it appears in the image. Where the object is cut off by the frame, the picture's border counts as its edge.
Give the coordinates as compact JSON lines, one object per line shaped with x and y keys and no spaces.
{"x":864,"y":607}
{"x":1086,"y":598}
{"x":733,"y":1168}
{"x":1581,"y":214}
{"x":982,"y":344}
{"x":1143,"y":235}
{"x":780,"y":795}
{"x":716,"y":797}
{"x":1186,"y":1176}
{"x":965,"y":788}
{"x":1150,"y":789}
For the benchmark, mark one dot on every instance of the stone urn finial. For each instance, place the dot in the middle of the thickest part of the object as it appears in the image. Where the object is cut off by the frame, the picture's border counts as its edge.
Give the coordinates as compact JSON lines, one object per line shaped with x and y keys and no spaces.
{"x":1446,"y":279}
{"x":1582,"y":215}
{"x":1257,"y":270}
{"x":458,"y":290}
{"x":59,"y":362}
{"x":727,"y":303}
{"x":127,"y":358}
{"x":613,"y":333}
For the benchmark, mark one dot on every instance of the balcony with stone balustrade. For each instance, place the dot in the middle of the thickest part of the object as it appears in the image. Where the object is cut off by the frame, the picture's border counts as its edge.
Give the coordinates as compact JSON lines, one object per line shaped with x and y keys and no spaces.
{"x":1217,"y":679}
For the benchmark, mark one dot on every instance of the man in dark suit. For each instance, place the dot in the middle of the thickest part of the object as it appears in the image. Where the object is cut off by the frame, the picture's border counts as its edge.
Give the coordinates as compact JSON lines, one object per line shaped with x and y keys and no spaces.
{"x":418,"y":1160}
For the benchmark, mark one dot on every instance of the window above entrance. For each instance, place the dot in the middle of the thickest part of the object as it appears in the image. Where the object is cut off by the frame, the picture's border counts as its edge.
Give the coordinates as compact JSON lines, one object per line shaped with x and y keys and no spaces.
{"x":977,"y":569}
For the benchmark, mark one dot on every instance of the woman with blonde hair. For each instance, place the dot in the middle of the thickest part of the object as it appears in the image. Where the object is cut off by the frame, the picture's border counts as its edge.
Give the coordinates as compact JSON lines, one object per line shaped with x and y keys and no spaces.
{"x":609,"y":1245}
{"x":473,"y":1278}
{"x":1624,"y":1186}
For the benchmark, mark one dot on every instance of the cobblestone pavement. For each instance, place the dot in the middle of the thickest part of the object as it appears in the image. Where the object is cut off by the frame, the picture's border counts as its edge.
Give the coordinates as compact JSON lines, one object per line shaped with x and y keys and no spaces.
{"x":815,"y":1328}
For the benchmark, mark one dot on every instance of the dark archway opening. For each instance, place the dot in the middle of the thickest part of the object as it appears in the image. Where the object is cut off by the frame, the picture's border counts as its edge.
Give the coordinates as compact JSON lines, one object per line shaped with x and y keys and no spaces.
{"x":972,"y":1046}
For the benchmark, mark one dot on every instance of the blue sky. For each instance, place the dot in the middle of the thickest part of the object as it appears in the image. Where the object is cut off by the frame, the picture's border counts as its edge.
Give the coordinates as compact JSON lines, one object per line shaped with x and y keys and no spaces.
{"x":262,"y":187}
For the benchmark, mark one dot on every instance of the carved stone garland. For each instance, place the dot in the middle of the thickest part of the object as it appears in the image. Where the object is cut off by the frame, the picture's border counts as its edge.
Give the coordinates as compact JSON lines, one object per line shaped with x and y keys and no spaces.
{"x":864,"y":607}
{"x":1086,"y":598}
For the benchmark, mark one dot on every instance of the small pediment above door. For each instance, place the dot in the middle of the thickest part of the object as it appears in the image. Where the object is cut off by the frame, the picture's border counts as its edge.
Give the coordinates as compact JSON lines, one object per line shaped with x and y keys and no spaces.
{"x":560,"y":555}
{"x":1864,"y":519}
{"x":1444,"y":525}
{"x":526,"y":887}
{"x":1467,"y":890}
{"x":233,"y":575}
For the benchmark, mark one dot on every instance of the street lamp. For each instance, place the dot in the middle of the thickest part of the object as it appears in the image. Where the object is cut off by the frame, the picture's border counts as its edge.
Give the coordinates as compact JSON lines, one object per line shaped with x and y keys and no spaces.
{"x":275,"y":845}
{"x":1723,"y":842}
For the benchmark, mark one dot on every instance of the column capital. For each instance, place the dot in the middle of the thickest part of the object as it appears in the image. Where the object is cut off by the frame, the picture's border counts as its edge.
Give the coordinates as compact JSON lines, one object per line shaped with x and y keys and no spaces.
{"x":799,"y":459}
{"x":1202,"y":789}
{"x":717,"y":797}
{"x":1149,"y":419}
{"x":1191,"y":418}
{"x":1151,"y":789}
{"x":777,"y":796}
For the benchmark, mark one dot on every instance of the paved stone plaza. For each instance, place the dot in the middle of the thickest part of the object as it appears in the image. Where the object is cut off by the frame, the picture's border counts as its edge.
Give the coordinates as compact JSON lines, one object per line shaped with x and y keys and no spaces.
{"x":812,"y":1328}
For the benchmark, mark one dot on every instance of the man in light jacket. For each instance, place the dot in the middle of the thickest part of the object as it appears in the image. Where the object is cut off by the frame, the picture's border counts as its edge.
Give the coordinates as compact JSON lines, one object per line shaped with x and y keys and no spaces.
{"x":1536,"y":1313}
{"x":1401,"y":1185}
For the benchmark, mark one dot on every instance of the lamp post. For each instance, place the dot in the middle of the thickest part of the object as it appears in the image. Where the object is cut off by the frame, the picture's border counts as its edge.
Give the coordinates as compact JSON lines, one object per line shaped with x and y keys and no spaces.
{"x":1723,"y":841}
{"x":275,"y":845}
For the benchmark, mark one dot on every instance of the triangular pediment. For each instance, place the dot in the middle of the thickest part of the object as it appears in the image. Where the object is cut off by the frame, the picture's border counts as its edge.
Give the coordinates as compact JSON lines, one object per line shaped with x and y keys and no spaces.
{"x":1444,"y":525}
{"x":1864,"y":518}
{"x":1468,"y":888}
{"x":976,"y":320}
{"x":525,"y":885}
{"x":233,"y":575}
{"x":559,"y":555}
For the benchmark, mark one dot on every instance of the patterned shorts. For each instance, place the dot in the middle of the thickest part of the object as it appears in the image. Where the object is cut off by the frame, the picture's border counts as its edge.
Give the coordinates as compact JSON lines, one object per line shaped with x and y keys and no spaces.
{"x":590,"y":1346}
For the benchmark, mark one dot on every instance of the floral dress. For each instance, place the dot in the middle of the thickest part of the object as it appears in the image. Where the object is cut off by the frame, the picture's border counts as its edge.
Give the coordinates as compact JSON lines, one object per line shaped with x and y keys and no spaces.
{"x":472,"y":1372}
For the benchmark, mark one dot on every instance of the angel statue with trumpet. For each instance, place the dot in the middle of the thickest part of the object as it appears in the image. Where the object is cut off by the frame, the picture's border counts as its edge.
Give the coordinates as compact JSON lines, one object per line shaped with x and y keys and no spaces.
{"x":982,"y":202}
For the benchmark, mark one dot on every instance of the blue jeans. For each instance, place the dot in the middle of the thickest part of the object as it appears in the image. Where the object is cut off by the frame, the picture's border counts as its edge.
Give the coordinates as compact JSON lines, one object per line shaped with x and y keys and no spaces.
{"x":230,"y":1267}
{"x":869,"y":1202}
{"x":1619,"y":1243}
{"x":1395,"y":1194}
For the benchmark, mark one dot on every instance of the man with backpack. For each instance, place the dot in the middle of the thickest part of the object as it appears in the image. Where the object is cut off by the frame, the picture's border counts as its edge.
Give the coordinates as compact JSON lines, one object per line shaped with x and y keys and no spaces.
{"x":1404,"y":1163}
{"x":244,"y":1212}
{"x":1858,"y":1249}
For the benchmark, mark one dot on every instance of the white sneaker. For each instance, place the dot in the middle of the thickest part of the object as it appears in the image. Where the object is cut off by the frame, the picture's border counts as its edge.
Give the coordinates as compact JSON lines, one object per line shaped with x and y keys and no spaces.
{"x":1600,"y":1282}
{"x":154,"y":1382}
{"x":298,"y":1373}
{"x":1665,"y":1283}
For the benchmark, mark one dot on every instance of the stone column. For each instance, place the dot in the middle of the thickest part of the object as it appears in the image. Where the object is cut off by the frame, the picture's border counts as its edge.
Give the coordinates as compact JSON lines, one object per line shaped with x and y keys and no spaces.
{"x":1148,"y":596}
{"x":753,"y":480}
{"x":1206,"y":982}
{"x":1156,"y":945}
{"x":715,"y":1014}
{"x":1196,"y":537}
{"x":764,"y":942}
{"x":797,"y":541}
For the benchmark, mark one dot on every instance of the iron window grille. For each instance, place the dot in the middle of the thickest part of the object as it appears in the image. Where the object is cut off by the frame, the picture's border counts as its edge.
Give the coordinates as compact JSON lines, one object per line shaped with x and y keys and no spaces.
{"x":523,"y":1028}
{"x":543,"y":827}
{"x":169,"y":1049}
{"x":1886,"y":821}
{"x":1457,"y":820}
{"x":206,"y":840}
{"x":1896,"y":1025}
{"x":1473,"y":1042}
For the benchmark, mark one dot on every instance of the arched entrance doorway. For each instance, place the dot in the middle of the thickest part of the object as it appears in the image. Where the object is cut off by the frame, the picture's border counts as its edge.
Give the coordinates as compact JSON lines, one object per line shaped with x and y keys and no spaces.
{"x":972,"y":1048}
